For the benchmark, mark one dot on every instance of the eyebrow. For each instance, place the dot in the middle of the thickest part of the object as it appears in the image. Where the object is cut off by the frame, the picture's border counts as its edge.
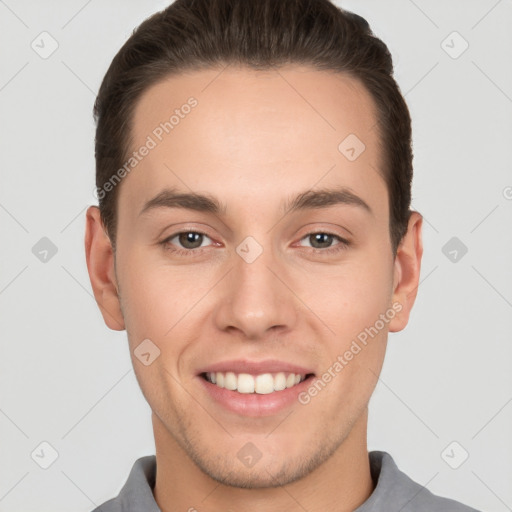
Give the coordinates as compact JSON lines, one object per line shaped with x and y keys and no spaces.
{"x":310,"y":199}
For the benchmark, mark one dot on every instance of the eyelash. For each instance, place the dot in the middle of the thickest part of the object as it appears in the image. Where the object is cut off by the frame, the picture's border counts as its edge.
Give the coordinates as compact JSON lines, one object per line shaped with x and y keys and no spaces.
{"x":342,"y":245}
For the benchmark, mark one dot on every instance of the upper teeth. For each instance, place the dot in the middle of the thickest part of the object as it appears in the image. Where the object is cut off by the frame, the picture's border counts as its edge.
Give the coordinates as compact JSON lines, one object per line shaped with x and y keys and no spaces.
{"x":246,"y":383}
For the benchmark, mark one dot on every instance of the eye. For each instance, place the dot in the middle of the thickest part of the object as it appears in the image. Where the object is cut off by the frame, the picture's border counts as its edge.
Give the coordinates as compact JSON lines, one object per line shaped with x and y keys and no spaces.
{"x":186,"y":242}
{"x":322,"y":241}
{"x":190,"y":243}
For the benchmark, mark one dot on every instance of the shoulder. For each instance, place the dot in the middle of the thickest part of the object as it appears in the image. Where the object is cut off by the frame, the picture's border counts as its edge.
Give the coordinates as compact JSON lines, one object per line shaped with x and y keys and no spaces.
{"x":137,"y":492}
{"x":113,"y":505}
{"x":395,"y":490}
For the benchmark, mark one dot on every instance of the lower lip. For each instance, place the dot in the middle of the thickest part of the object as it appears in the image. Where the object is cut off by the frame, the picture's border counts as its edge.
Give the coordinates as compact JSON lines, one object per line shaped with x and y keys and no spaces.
{"x":255,"y":404}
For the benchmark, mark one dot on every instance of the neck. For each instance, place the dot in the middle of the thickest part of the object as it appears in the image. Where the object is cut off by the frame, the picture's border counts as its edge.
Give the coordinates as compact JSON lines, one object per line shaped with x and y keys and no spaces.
{"x":342,"y":483}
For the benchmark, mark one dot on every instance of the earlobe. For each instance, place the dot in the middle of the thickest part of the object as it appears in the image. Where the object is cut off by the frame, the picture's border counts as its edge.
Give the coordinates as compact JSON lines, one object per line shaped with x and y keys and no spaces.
{"x":100,"y":265}
{"x":407,"y":271}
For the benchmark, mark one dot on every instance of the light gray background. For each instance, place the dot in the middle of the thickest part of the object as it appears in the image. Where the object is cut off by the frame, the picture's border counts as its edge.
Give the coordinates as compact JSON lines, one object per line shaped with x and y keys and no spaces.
{"x":67,"y":380}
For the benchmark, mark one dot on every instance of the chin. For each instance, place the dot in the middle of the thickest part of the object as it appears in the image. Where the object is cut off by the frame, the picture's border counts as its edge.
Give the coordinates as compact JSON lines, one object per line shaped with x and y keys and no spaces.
{"x":269,"y":471}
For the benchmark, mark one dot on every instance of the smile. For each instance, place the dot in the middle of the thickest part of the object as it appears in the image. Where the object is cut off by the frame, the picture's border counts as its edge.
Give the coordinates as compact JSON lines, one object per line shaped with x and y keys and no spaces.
{"x":262,"y":384}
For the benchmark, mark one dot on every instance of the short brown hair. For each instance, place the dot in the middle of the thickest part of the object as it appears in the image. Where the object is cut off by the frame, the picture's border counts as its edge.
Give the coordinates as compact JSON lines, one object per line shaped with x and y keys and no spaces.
{"x":261,"y":34}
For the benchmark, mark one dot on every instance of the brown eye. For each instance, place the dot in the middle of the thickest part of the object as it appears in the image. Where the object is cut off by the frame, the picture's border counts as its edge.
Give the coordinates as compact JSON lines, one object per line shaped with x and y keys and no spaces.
{"x":322,"y":242}
{"x":190,"y":239}
{"x":185,"y":242}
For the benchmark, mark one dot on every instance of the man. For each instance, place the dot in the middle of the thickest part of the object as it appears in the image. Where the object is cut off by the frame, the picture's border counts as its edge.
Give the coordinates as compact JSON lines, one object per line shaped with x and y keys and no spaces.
{"x":254,"y":238}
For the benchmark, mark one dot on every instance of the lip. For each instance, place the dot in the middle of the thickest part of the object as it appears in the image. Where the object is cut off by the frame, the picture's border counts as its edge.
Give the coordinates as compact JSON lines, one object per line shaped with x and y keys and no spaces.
{"x":255,"y":404}
{"x":255,"y":367}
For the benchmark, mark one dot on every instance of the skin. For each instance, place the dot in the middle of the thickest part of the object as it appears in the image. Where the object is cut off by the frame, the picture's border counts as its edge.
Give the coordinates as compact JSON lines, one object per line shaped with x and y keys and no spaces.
{"x":254,"y":140}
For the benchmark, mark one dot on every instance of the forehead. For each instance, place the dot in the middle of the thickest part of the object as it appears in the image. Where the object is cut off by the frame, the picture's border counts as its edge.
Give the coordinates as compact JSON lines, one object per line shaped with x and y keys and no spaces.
{"x":251,"y":132}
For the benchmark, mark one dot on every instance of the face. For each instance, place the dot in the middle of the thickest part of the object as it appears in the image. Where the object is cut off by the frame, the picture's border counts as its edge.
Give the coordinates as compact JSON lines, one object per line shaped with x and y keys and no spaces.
{"x":280,"y":281}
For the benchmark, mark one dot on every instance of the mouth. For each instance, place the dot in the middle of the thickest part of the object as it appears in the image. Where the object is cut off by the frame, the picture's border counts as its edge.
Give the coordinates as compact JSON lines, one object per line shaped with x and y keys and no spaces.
{"x":262,"y":383}
{"x":252,"y":388}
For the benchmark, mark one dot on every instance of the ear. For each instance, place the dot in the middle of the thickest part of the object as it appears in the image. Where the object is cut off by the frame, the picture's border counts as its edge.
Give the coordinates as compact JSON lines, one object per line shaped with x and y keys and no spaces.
{"x":100,"y":264}
{"x":407,"y":271}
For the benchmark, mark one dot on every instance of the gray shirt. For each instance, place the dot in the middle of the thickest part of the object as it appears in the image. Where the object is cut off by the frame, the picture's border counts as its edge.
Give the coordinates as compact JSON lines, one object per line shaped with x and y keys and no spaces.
{"x":394,"y":492}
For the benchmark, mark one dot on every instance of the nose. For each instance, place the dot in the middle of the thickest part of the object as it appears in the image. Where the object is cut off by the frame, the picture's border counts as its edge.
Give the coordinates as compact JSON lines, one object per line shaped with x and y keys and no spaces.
{"x":257,"y":297}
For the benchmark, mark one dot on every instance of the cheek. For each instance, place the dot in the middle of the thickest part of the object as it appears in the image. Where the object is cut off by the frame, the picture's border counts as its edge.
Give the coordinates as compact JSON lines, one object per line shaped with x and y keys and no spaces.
{"x":152,"y":297}
{"x":160,"y":300}
{"x":360,"y":312}
{"x":351,"y":296}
